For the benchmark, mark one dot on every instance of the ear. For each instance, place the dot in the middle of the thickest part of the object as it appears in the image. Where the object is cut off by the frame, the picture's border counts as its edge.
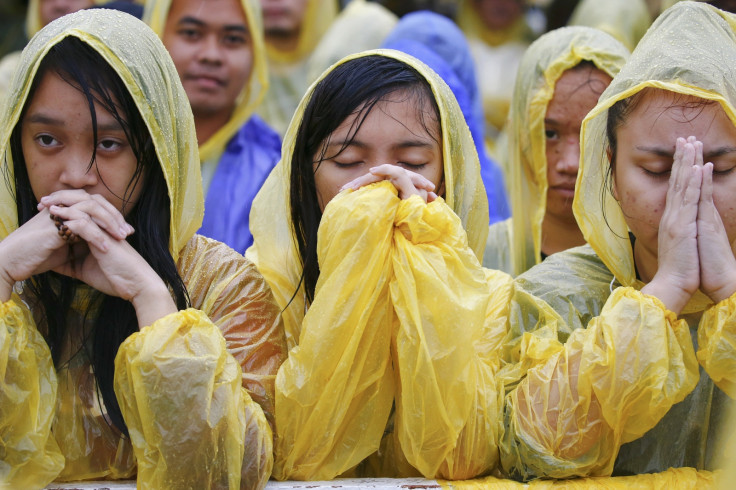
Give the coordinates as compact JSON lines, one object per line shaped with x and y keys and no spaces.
{"x":614,"y":190}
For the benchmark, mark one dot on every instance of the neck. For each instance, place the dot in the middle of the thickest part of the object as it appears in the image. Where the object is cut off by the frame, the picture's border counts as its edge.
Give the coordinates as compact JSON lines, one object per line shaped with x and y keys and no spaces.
{"x":283,"y":41}
{"x":646,"y":262}
{"x":559,"y":234}
{"x":207,"y":126}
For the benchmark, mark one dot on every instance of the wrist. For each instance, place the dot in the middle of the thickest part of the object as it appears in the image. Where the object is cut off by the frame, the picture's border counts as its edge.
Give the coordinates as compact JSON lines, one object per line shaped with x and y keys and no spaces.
{"x":668,"y":292}
{"x":152,"y":303}
{"x":6,"y":286}
{"x":725,"y":291}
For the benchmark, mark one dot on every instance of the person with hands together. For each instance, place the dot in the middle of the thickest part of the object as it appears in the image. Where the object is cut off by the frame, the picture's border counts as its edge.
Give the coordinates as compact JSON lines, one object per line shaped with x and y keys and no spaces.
{"x":370,"y":232}
{"x":633,"y":372}
{"x":124,"y":353}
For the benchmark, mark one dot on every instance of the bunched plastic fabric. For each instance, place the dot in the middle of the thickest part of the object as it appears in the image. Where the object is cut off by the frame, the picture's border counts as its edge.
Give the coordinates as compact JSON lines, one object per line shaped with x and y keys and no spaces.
{"x":196,"y":387}
{"x":399,"y":348}
{"x":515,"y":245}
{"x":614,"y":384}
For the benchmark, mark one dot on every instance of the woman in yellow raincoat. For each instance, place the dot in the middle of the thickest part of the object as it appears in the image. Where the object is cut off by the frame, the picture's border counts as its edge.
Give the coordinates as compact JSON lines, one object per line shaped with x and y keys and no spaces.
{"x":123,"y":351}
{"x":561,"y":76}
{"x":635,"y":373}
{"x":392,"y":324}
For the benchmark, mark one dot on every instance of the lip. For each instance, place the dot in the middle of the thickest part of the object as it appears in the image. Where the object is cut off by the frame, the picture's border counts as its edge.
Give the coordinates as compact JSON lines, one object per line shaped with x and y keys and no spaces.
{"x":564,"y":190}
{"x":206,"y":81}
{"x":273,"y":11}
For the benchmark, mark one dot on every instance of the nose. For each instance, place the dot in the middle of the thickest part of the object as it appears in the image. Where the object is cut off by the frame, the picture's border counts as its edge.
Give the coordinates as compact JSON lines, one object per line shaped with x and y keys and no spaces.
{"x":79,"y":174}
{"x":210,"y":50}
{"x":569,"y":158}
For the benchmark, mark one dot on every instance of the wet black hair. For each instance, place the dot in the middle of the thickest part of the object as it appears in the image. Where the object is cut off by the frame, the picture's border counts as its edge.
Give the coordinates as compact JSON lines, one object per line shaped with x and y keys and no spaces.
{"x":108,"y":320}
{"x":354,"y":87}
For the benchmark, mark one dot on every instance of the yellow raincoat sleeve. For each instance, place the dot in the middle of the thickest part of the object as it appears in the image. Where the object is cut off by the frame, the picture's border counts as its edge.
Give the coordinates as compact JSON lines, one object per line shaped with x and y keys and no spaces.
{"x":225,"y":354}
{"x":399,"y":317}
{"x":29,"y":455}
{"x":608,"y":384}
{"x":717,"y":344}
{"x":451,"y":322}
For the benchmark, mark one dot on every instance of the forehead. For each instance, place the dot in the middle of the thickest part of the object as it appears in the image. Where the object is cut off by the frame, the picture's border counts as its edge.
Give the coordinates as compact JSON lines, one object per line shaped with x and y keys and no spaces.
{"x":577,"y":91}
{"x":216,"y":12}
{"x":398,"y":113}
{"x":661,"y":113}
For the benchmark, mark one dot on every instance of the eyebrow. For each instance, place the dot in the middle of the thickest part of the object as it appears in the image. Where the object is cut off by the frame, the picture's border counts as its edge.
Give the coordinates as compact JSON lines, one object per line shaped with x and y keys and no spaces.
{"x":666,"y":152}
{"x":199,"y":23}
{"x":41,"y":118}
{"x":398,"y":146}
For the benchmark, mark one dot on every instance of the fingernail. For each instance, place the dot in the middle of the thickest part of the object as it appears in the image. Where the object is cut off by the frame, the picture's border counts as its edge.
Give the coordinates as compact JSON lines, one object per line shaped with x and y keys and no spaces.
{"x":131,"y":230}
{"x":123,"y":231}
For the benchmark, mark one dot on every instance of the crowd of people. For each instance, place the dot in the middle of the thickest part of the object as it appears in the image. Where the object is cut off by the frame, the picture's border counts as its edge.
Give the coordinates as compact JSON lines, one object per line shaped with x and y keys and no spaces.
{"x":301,"y":240}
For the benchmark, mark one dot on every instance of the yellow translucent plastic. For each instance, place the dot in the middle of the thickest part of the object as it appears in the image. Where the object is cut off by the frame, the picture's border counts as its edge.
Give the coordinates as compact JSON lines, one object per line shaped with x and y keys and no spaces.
{"x":515,"y":245}
{"x":626,"y":20}
{"x":616,"y":367}
{"x":399,"y":348}
{"x":196,"y":389}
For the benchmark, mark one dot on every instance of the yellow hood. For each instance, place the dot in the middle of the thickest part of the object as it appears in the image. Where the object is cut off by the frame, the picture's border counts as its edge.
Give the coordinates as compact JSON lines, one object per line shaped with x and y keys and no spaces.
{"x":690,"y":49}
{"x":318,"y":17}
{"x":155,"y":13}
{"x":542,"y":65}
{"x":274,"y":250}
{"x":144,"y":65}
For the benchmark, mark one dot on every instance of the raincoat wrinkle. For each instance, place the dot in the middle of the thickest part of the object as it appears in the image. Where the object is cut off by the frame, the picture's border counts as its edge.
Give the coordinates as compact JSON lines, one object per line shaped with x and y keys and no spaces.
{"x":391,"y":367}
{"x":617,"y":384}
{"x":241,"y":154}
{"x":515,"y":245}
{"x":214,"y":363}
{"x":441,"y":45}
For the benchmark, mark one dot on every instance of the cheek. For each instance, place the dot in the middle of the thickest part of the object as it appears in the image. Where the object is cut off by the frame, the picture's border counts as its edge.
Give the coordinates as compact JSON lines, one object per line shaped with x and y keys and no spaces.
{"x":642,"y":210}
{"x":726,"y":206}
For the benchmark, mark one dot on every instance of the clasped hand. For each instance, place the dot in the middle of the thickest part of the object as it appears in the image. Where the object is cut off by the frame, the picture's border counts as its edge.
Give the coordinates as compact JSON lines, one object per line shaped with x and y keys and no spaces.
{"x":103,"y":258}
{"x":408,"y":183}
{"x":694,"y":251}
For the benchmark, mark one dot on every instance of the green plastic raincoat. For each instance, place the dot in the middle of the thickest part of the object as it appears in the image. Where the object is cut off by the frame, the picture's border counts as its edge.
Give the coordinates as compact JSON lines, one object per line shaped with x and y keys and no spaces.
{"x":196,"y":387}
{"x":515,"y":245}
{"x":617,"y":384}
{"x":391,"y":368}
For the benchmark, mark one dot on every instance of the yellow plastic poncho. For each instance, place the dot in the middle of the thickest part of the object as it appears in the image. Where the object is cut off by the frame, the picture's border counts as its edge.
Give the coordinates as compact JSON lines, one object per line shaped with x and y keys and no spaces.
{"x":196,"y":387}
{"x":497,"y":55}
{"x":155,"y":14}
{"x":515,"y":245}
{"x":325,"y":38}
{"x":403,"y":317}
{"x":626,"y":20}
{"x":615,"y":385}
